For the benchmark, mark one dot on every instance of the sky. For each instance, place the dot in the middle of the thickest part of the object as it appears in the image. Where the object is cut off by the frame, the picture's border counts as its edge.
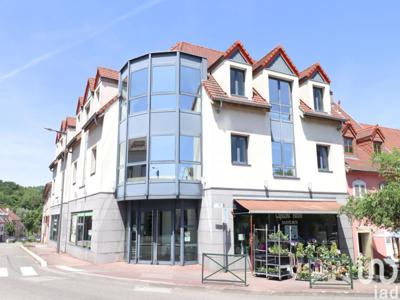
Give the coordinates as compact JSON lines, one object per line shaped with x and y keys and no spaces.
{"x":48,"y":49}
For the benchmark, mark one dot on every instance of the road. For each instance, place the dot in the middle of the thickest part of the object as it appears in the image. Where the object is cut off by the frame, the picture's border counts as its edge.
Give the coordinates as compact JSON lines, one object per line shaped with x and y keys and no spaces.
{"x":22,"y":278}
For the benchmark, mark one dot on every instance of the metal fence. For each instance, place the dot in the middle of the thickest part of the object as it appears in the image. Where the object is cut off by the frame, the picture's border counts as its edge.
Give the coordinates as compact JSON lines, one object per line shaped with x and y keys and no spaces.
{"x":227,"y":268}
{"x":331,"y":272}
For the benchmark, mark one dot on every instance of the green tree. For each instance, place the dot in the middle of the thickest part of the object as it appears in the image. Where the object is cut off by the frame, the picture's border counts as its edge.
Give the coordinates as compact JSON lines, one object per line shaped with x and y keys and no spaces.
{"x":381,"y":207}
{"x":10,"y":228}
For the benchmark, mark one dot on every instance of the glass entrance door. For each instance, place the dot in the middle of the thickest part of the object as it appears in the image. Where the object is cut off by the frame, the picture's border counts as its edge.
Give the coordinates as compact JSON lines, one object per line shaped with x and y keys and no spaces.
{"x":146,"y":236}
{"x":164,"y":235}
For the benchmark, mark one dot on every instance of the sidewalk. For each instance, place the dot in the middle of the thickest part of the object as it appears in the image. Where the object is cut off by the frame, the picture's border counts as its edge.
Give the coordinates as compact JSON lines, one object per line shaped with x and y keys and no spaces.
{"x":190,"y":276}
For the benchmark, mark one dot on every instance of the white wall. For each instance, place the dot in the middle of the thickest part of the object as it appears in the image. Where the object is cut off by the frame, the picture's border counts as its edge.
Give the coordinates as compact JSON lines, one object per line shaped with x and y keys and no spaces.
{"x":306,"y":94}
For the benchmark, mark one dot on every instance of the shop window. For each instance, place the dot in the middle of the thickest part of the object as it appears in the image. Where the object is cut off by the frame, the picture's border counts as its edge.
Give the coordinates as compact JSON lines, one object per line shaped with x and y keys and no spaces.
{"x":359,"y":188}
{"x":137,"y":156}
{"x":348,"y":145}
{"x":318,"y":99}
{"x":190,"y":234}
{"x":323,"y":157}
{"x":81,"y":229}
{"x":54,"y":227}
{"x":237,"y":82}
{"x":239,"y":144}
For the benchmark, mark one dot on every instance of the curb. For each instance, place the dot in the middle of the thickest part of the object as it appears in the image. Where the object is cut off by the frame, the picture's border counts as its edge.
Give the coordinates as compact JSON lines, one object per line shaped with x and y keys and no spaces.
{"x":36,"y":257}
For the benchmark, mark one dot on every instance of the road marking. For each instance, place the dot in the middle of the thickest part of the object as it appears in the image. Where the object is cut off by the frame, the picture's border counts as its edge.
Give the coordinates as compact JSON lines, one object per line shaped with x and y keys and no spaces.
{"x":28,"y":271}
{"x":69,"y":269}
{"x":149,"y":289}
{"x":3,"y":272}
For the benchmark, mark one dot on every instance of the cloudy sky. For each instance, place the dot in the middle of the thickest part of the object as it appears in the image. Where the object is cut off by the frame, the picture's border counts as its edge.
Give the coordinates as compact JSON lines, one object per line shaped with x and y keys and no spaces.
{"x":49,"y":49}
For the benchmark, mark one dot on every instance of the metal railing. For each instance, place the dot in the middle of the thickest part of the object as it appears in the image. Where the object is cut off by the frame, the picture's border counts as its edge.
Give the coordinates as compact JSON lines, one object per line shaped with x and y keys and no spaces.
{"x":224,"y":268}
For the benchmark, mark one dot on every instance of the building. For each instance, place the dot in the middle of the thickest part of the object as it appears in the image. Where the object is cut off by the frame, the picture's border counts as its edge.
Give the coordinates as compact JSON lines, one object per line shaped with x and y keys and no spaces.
{"x":46,"y":213}
{"x":361,"y":141}
{"x":183,"y":143}
{"x":8,"y":216}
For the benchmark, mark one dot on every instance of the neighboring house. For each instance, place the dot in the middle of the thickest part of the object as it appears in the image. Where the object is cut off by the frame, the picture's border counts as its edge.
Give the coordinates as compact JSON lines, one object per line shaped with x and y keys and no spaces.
{"x":178,"y":142}
{"x":361,"y":141}
{"x":46,"y":212}
{"x":6,"y":216}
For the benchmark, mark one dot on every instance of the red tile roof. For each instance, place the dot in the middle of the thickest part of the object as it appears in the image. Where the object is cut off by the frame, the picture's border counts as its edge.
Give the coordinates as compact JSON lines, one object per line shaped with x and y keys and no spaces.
{"x":99,"y":113}
{"x":79,"y":104}
{"x":10,"y":215}
{"x":238,"y":46}
{"x":270,"y":56}
{"x":308,"y":111}
{"x":212,"y":55}
{"x":215,"y":92}
{"x":89,"y":87}
{"x":103,"y":72}
{"x":311,"y":70}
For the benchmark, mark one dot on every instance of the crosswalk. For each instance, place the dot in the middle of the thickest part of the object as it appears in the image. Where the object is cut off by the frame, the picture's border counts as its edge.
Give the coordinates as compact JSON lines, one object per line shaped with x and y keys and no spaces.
{"x":29,"y":271}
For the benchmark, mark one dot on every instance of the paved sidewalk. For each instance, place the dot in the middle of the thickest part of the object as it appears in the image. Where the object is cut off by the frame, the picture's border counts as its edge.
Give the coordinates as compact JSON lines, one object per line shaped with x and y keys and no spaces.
{"x":190,"y":276}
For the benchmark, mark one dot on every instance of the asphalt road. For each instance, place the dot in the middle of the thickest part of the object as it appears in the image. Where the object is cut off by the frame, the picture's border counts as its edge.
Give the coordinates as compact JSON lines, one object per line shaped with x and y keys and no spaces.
{"x":22,"y":278}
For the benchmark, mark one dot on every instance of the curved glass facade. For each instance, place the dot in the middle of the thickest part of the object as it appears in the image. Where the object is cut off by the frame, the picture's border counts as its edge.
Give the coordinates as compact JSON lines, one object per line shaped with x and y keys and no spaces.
{"x":160,"y":127}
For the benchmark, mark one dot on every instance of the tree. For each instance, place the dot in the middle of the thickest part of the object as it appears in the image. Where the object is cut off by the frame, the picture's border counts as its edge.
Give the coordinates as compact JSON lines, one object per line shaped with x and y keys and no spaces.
{"x":10,"y":228}
{"x":381,"y":207}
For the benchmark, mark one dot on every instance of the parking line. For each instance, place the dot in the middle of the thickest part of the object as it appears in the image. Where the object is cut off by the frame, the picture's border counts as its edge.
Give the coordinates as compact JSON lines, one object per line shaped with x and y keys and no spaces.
{"x":28,"y":271}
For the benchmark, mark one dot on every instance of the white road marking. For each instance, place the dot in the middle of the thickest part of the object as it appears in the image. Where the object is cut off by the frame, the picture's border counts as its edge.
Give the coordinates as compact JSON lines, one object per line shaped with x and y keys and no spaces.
{"x":3,"y":272}
{"x":28,"y":271}
{"x":69,"y":269}
{"x":149,"y":289}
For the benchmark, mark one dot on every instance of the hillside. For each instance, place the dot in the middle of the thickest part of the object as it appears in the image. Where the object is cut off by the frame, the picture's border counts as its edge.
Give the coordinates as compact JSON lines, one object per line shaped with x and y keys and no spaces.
{"x":26,"y":202}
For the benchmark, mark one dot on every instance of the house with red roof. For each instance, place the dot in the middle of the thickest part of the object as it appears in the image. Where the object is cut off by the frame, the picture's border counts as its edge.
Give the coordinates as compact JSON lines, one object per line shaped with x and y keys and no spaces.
{"x":178,"y":144}
{"x":7,"y":216}
{"x":361,"y":141}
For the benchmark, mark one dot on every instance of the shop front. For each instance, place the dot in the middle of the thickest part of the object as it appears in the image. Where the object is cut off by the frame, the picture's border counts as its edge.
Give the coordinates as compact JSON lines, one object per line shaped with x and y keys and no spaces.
{"x":162,"y":231}
{"x":304,"y":221}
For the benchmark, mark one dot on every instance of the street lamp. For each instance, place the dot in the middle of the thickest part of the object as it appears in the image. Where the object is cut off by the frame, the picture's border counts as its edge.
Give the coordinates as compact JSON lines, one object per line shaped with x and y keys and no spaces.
{"x":62,"y":195}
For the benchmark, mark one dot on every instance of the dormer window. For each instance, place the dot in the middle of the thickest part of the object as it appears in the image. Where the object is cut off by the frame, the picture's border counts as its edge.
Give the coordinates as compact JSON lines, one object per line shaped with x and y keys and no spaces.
{"x":318,"y":99}
{"x":377,"y":147}
{"x":237,"y":82}
{"x":348,"y":145}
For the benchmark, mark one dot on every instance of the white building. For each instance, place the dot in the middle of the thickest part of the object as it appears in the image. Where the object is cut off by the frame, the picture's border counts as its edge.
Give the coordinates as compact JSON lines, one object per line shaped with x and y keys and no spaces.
{"x":201,"y":137}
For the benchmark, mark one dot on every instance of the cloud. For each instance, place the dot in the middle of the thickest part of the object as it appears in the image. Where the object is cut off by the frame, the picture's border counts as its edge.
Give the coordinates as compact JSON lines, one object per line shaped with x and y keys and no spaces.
{"x":37,"y":60}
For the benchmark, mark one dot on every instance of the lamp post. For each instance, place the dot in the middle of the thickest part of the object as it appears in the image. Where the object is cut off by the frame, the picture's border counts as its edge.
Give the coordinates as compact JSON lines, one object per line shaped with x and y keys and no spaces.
{"x":62,"y":192}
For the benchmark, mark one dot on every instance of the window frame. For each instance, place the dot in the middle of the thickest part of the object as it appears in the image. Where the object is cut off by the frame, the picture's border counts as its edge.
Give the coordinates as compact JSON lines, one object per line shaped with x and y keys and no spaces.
{"x":246,"y":149}
{"x":74,"y":172}
{"x":75,"y":242}
{"x":236,"y":92}
{"x":346,"y":146}
{"x":93,"y":160}
{"x":323,"y":169}
{"x":377,"y":147}
{"x":357,"y":184}
{"x":137,"y":163}
{"x":321,"y":89}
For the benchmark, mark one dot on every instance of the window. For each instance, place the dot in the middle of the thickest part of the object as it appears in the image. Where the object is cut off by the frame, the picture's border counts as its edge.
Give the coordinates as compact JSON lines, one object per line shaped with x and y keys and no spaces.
{"x":348,"y":145}
{"x":318,"y":99}
{"x":163,"y":79}
{"x":160,"y":102}
{"x":54,"y":227}
{"x":162,"y":148}
{"x":81,"y":229}
{"x":190,"y":172}
{"x":283,"y":159}
{"x":237,"y":82}
{"x":239,"y":149}
{"x":323,"y":157}
{"x":138,"y":105}
{"x":162,"y":171}
{"x":359,"y":188}
{"x":190,"y":103}
{"x":124,"y":98}
{"x":93,"y":159}
{"x":189,"y":148}
{"x":74,"y":171}
{"x":377,"y":147}
{"x":139,"y":83}
{"x":190,"y":80}
{"x":137,"y":156}
{"x":98,"y":94}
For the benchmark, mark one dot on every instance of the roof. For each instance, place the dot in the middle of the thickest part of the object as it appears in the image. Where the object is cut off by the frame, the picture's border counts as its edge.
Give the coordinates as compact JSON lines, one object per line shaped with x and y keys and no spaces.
{"x":311,"y":70}
{"x":100,"y":113}
{"x":108,"y":73}
{"x":303,"y":206}
{"x":334,"y":115}
{"x":238,"y":46}
{"x":361,"y":159}
{"x":47,"y":189}
{"x":212,"y":55}
{"x":89,"y":87}
{"x":79,"y":104}
{"x":270,"y":56}
{"x":69,"y":122}
{"x":11,"y":216}
{"x":216,"y":93}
